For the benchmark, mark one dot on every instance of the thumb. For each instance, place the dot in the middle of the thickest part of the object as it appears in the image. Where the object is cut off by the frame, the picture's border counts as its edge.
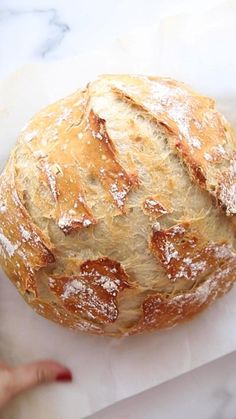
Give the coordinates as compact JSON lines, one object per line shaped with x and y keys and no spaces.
{"x":16,"y":380}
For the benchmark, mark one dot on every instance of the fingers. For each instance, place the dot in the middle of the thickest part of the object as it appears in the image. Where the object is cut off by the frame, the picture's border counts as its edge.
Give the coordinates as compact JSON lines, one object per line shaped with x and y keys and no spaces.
{"x":30,"y":375}
{"x":16,"y":380}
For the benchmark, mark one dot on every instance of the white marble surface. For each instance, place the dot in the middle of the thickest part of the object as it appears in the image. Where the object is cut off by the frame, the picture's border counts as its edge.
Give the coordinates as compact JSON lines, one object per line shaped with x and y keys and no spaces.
{"x":42,"y":30}
{"x":208,"y":392}
{"x":36,"y":30}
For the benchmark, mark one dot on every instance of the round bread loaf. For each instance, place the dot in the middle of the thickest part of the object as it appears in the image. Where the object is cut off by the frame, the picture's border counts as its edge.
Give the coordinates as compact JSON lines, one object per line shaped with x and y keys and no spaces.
{"x":117,"y":206}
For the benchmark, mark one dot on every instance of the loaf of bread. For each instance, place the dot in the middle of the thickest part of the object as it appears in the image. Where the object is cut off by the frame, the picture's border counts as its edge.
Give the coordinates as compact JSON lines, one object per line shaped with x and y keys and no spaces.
{"x":117,"y":206}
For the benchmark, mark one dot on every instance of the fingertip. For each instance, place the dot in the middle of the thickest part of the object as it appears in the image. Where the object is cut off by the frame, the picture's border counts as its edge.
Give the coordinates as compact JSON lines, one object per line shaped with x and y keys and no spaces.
{"x":45,"y":371}
{"x":64,"y":376}
{"x":55,"y":371}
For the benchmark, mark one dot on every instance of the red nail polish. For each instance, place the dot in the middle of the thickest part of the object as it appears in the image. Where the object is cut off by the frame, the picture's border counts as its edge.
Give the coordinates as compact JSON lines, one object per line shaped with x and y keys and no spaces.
{"x":64,"y":376}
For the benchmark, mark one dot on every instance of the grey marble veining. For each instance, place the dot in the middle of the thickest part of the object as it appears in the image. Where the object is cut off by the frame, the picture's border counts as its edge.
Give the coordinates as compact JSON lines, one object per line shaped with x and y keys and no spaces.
{"x":34,"y":30}
{"x":57,"y":29}
{"x":225,"y":400}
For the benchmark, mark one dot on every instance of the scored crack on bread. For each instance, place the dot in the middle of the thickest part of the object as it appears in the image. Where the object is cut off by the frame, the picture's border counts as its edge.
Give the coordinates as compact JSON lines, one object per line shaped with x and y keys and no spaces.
{"x":117,"y":206}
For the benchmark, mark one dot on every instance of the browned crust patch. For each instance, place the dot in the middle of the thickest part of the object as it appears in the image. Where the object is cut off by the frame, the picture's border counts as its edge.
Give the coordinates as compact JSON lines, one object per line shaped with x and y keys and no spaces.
{"x":185,"y":255}
{"x":226,"y":189}
{"x":68,"y":137}
{"x":160,"y":312}
{"x":71,"y":213}
{"x":196,"y":130}
{"x":93,"y":292}
{"x":53,"y":147}
{"x":59,"y":314}
{"x":23,"y":247}
{"x":153,"y":207}
{"x":104,"y":165}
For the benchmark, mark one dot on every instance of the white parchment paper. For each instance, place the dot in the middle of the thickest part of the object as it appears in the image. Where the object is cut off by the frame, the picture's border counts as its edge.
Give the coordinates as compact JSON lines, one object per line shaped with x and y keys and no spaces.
{"x":197,"y":49}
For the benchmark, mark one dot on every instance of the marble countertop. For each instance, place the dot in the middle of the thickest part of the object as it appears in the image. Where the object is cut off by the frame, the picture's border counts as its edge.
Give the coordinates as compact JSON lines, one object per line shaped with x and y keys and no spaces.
{"x":39,"y":30}
{"x":208,"y":392}
{"x":43,"y":30}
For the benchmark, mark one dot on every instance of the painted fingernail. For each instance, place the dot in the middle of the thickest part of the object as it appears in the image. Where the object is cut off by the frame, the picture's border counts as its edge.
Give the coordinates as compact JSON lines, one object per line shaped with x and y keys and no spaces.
{"x":64,"y":376}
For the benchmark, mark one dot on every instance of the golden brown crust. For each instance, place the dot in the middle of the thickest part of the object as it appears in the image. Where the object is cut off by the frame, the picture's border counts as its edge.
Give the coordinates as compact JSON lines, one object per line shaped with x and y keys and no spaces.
{"x":226,"y":190}
{"x":184,"y":254}
{"x":71,"y":212}
{"x":115,"y":157}
{"x":160,"y":312}
{"x":104,"y":163}
{"x":153,"y":206}
{"x":60,"y":150}
{"x":199,"y":133}
{"x":58,"y":314}
{"x":23,"y":247}
{"x":93,"y":291}
{"x":50,"y":144}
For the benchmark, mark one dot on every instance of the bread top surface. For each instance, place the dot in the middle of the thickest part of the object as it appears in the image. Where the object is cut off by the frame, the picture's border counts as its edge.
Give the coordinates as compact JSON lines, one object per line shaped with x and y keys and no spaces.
{"x":117,"y":206}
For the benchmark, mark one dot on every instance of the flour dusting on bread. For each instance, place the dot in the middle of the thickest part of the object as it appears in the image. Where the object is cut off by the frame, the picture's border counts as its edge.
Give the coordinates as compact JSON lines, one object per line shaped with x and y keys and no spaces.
{"x":117,"y":206}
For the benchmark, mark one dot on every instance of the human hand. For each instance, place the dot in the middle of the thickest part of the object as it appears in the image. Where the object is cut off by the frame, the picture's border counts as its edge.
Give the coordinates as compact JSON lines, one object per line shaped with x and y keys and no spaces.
{"x":19,"y":379}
